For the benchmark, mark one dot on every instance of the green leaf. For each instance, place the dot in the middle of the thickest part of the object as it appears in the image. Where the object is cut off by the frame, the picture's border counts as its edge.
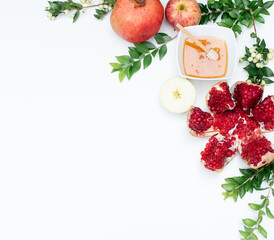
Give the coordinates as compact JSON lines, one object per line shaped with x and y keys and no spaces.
{"x":147,"y":61}
{"x":268,"y":80}
{"x":111,"y":1}
{"x":259,"y":19}
{"x":154,"y":52}
{"x":253,"y":237}
{"x":128,"y":72}
{"x":254,"y":206}
{"x":149,"y":45}
{"x":116,"y":65}
{"x":251,"y":69}
{"x":136,"y":67}
{"x":244,"y":234}
{"x":161,"y":38}
{"x":134,"y":54}
{"x":261,"y":213}
{"x":262,"y":231}
{"x":141,"y":48}
{"x":76,"y":15}
{"x":240,"y":4}
{"x":237,"y":28}
{"x":124,"y":59}
{"x":233,"y":13}
{"x":122,"y":75}
{"x":253,"y":35}
{"x":269,"y":214}
{"x":268,"y":4}
{"x":228,"y":187}
{"x":249,"y":222}
{"x":162,"y":51}
{"x":267,"y":72}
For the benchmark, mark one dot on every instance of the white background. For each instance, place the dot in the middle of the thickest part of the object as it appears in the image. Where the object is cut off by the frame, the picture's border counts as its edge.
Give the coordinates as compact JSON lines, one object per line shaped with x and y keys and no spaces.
{"x":83,"y":156}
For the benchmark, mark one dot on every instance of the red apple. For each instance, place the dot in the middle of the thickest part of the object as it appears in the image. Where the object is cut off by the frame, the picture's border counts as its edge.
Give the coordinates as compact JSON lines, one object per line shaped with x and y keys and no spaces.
{"x":185,"y":12}
{"x":137,"y":20}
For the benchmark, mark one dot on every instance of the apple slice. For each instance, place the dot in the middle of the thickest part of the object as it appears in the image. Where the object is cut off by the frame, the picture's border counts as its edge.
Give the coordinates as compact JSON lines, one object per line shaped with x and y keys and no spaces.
{"x":177,"y":94}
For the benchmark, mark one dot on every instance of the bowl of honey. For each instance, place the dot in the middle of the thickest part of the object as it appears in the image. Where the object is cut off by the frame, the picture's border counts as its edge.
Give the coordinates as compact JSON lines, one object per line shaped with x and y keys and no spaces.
{"x":193,"y":62}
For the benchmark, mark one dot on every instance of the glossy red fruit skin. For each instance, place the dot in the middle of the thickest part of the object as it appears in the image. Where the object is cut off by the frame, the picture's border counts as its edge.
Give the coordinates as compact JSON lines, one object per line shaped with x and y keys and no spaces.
{"x":264,"y":114}
{"x":137,"y":23}
{"x":185,"y":12}
{"x":247,"y":95}
{"x":219,"y":98}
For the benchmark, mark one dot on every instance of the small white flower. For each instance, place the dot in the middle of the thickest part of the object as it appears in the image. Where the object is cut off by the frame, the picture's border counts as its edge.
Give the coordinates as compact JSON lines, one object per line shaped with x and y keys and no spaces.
{"x":265,"y":62}
{"x":84,"y":10}
{"x":83,"y":1}
{"x":52,"y":18}
{"x":263,"y":83}
{"x":259,"y":56}
{"x":47,"y":8}
{"x":255,"y":60}
{"x":66,"y":11}
{"x":248,"y":81}
{"x":251,"y":50}
{"x":250,"y":59}
{"x":71,"y":15}
{"x":101,"y":7}
{"x":109,"y":8}
{"x":241,"y":60}
{"x":258,"y":65}
{"x":105,"y":6}
{"x":271,"y":50}
{"x":101,"y":1}
{"x":49,"y":15}
{"x":88,"y":2}
{"x":269,"y":56}
{"x":253,"y":55}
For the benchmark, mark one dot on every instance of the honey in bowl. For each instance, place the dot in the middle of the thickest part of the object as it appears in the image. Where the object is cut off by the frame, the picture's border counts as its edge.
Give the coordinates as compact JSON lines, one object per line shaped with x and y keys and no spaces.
{"x":197,"y":64}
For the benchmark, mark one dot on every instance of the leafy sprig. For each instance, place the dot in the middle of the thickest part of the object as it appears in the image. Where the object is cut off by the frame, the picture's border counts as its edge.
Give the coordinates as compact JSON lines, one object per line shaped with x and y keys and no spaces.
{"x":57,"y":8}
{"x":235,"y":13}
{"x":252,"y":179}
{"x":141,"y":53}
{"x":257,"y":58}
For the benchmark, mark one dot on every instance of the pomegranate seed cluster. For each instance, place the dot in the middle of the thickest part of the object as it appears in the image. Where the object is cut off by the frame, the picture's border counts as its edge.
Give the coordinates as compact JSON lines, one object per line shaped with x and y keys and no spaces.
{"x":219,"y":98}
{"x":236,"y":123}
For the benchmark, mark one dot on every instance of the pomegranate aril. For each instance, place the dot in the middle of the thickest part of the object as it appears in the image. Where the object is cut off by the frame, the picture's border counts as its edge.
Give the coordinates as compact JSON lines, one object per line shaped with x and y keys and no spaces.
{"x":219,"y":98}
{"x":247,"y":95}
{"x":264,"y":114}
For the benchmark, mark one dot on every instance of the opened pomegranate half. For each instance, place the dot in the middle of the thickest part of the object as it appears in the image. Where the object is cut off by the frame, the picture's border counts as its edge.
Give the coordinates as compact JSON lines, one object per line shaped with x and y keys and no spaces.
{"x":237,"y":122}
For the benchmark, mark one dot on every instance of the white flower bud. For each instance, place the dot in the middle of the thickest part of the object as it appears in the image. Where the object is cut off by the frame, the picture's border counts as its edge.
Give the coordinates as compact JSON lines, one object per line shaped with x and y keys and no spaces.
{"x":105,"y":6}
{"x":66,"y":11}
{"x":263,"y":83}
{"x":84,"y":10}
{"x":253,"y":55}
{"x":52,"y":18}
{"x":49,"y":15}
{"x":255,"y":60}
{"x":250,"y":59}
{"x":265,"y":62}
{"x":248,"y":81}
{"x":269,"y":56}
{"x":109,"y":8}
{"x":271,"y":50}
{"x":258,"y":65}
{"x":88,"y":2}
{"x":251,"y":50}
{"x":101,"y":7}
{"x":259,"y":56}
{"x":83,"y":1}
{"x":71,"y":15}
{"x":101,"y":1}
{"x":47,"y":8}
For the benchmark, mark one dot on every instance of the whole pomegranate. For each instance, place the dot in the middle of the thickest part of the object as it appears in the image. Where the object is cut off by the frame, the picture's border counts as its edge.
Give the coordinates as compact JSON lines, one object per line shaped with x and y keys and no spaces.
{"x":137,"y":20}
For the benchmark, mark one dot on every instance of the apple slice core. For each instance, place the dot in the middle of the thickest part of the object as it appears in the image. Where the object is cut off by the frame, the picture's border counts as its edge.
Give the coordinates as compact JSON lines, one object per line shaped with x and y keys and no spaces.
{"x":177,"y":94}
